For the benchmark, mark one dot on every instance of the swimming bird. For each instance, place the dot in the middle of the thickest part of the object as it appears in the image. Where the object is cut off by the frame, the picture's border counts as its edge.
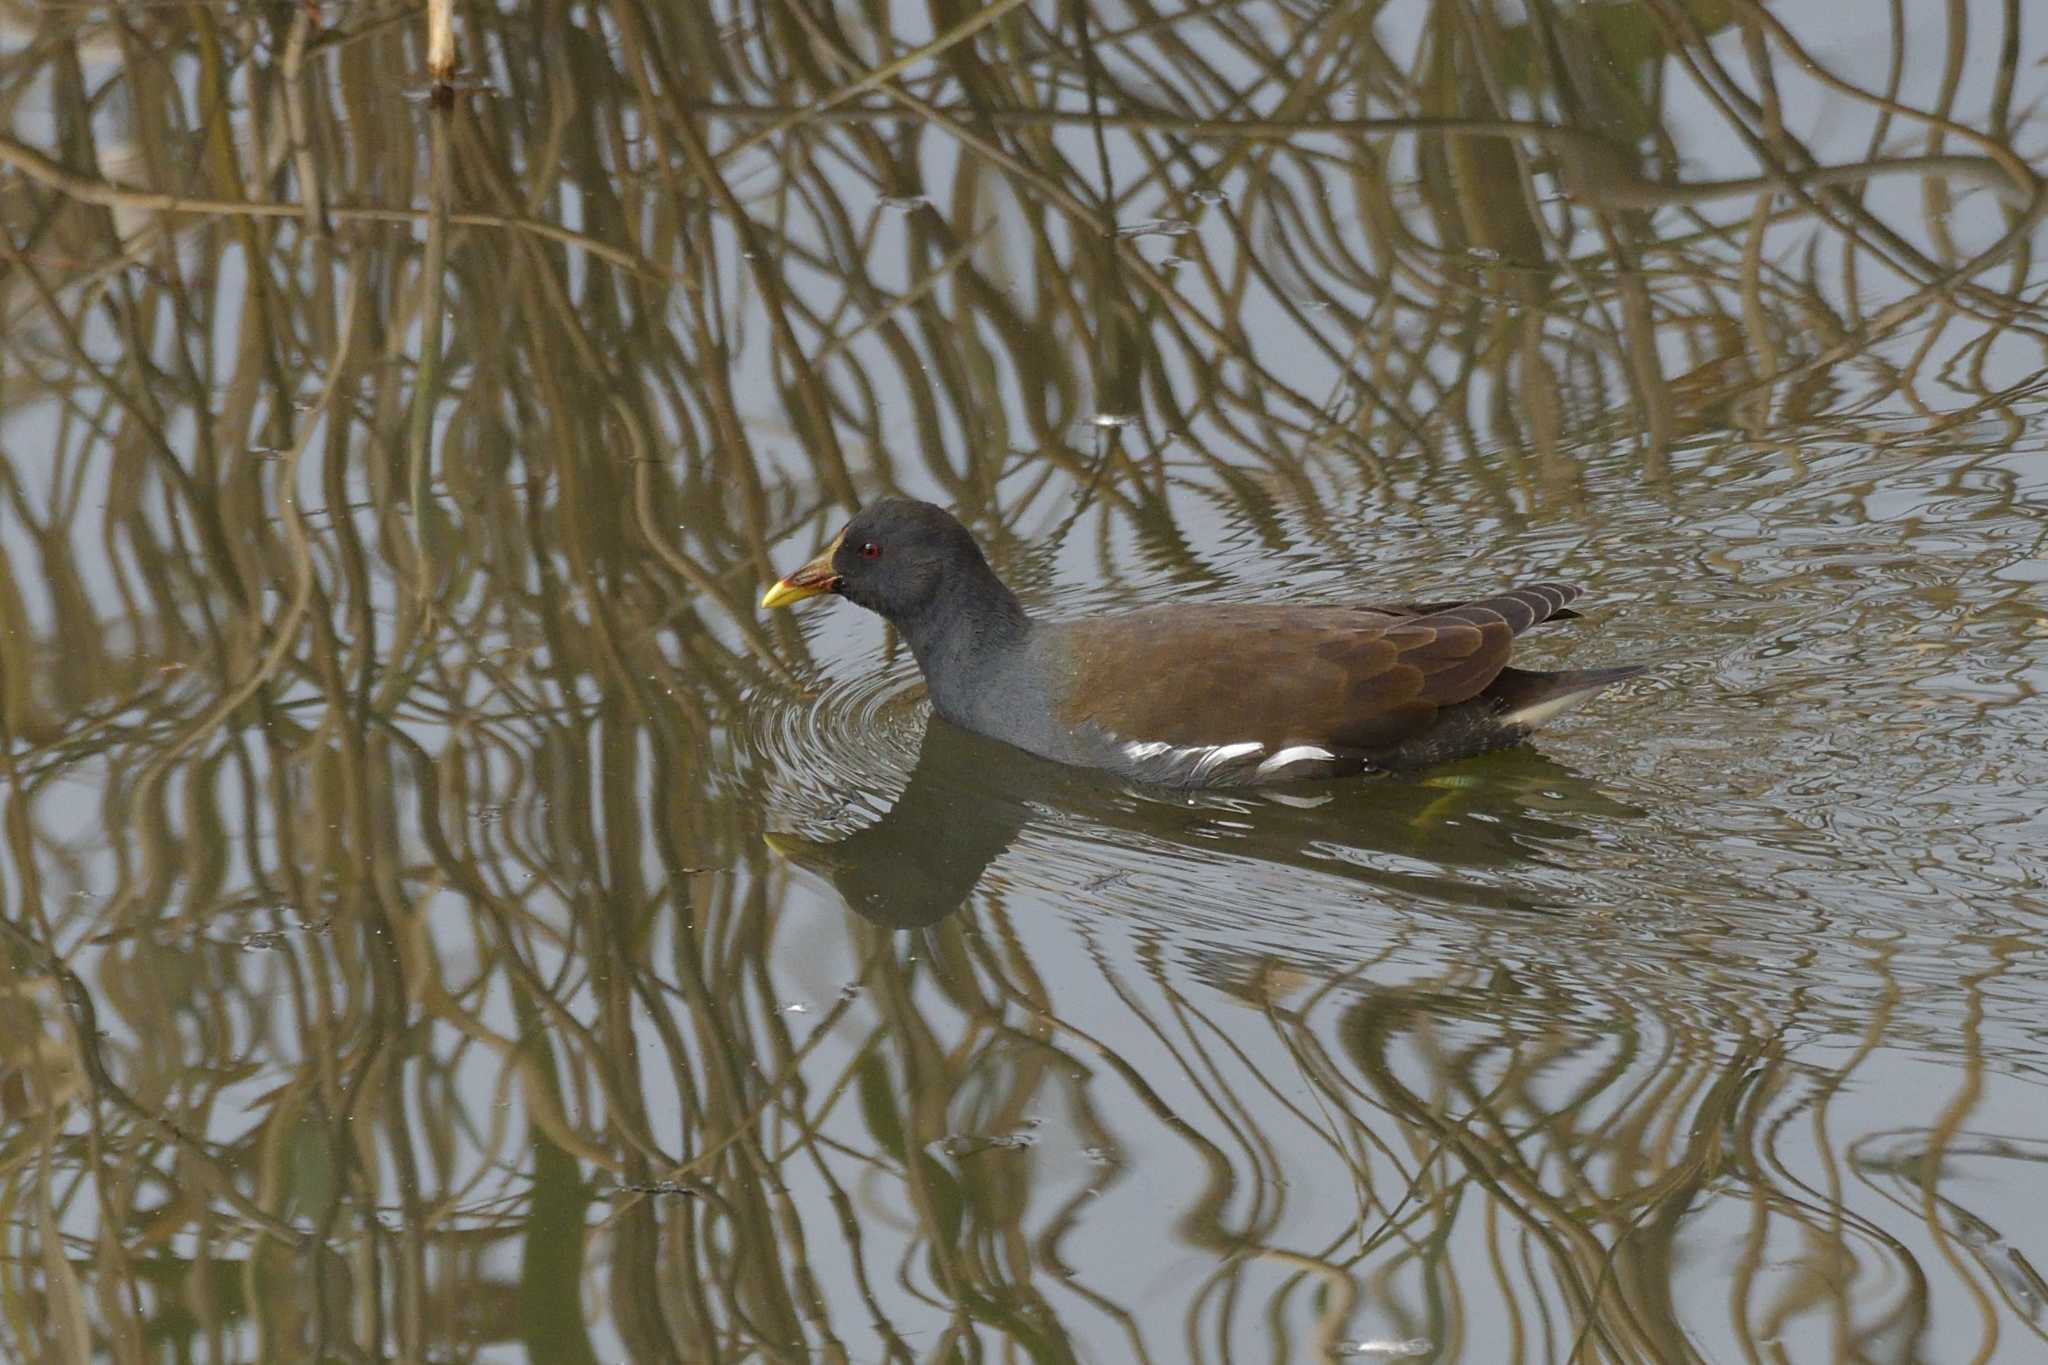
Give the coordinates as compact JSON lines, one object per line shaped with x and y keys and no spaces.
{"x":1196,"y":694}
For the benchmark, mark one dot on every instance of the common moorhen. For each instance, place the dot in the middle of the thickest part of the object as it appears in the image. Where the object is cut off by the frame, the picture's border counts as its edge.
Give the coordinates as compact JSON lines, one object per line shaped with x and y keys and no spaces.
{"x":1196,"y":695}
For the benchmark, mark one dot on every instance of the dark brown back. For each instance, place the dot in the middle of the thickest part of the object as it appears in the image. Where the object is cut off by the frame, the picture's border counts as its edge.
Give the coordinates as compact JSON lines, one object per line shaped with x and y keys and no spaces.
{"x":1348,"y":677}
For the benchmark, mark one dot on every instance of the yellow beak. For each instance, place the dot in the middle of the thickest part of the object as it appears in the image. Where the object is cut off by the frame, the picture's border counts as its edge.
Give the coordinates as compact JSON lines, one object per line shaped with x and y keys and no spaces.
{"x":812,"y":579}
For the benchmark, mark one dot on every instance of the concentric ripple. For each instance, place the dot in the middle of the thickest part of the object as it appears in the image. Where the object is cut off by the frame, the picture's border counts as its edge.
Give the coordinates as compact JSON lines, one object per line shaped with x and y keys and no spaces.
{"x":836,"y":757}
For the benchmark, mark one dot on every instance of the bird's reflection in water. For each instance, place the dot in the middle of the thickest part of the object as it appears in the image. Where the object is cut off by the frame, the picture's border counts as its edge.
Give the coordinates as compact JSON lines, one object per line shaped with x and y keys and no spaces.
{"x":970,"y":799}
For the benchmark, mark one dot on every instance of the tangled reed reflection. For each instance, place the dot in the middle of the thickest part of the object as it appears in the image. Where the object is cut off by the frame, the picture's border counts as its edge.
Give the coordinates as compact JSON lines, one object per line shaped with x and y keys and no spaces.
{"x":397,"y":966}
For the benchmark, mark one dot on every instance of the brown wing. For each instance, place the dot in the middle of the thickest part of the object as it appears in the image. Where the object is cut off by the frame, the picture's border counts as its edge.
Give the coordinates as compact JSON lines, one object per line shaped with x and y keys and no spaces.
{"x":1349,"y":678}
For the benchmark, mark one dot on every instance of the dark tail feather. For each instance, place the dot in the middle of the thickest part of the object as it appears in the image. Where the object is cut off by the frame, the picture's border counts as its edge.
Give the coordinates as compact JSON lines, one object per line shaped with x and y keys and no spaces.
{"x":1516,"y":702}
{"x":1526,"y":699}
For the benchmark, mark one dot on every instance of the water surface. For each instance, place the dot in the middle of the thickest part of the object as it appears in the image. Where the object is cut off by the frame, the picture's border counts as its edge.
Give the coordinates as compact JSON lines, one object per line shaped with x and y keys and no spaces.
{"x":446,"y":920}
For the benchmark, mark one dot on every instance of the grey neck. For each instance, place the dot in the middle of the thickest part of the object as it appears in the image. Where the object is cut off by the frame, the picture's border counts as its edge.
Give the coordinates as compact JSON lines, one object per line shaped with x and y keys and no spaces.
{"x":963,"y":640}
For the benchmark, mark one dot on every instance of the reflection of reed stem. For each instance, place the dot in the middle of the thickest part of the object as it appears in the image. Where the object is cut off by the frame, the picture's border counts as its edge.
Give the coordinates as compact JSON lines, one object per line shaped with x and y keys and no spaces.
{"x":1595,"y":169}
{"x":516,"y":794}
{"x":91,"y":190}
{"x":876,"y":78}
{"x":292,"y":74}
{"x":2001,"y":171}
{"x":427,"y":377}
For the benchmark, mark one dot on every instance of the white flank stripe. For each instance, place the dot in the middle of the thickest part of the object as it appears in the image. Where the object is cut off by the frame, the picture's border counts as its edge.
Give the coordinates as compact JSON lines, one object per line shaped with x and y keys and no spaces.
{"x":1293,"y":754}
{"x":1226,"y":753}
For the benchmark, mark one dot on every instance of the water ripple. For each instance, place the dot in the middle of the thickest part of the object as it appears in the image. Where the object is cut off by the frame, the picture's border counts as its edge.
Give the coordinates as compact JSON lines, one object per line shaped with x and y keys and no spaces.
{"x":836,"y":756}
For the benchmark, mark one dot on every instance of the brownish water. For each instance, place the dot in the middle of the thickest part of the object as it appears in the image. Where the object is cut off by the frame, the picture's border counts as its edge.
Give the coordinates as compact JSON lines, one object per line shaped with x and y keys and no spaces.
{"x":446,"y":921}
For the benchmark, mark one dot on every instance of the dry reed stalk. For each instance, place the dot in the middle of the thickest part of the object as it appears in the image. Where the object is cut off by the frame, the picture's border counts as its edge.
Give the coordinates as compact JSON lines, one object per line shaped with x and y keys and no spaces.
{"x":441,"y":41}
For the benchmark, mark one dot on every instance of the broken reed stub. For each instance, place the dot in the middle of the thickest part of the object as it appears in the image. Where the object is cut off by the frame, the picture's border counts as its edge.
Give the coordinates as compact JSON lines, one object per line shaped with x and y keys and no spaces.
{"x":441,"y":41}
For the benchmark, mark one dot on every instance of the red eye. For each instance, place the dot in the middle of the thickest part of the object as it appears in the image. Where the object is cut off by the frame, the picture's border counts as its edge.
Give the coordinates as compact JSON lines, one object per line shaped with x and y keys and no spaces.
{"x":871,"y":551}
